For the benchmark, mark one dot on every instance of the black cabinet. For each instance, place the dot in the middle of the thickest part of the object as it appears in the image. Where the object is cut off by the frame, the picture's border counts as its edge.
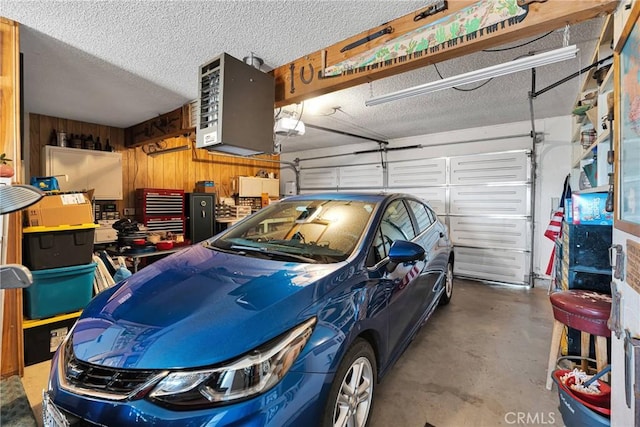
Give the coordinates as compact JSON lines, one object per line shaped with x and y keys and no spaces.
{"x":200,"y":212}
{"x":585,"y":257}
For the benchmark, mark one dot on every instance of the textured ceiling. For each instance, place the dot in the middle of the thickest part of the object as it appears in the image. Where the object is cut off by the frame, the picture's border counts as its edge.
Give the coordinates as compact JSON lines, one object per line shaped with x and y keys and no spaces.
{"x":121,"y":62}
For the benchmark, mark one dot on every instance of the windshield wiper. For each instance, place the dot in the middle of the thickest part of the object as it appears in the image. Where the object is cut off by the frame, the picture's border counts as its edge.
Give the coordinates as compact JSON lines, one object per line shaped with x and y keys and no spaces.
{"x":213,"y":247}
{"x":271,"y":252}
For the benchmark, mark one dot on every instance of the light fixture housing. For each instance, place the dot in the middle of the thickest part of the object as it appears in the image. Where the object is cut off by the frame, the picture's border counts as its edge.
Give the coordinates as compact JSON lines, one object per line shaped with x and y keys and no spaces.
{"x":15,"y":197}
{"x":289,"y":126}
{"x":168,"y":150}
{"x":498,"y":70}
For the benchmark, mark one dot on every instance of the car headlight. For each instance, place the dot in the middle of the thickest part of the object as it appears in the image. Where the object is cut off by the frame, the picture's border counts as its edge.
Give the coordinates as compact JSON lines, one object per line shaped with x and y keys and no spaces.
{"x":254,"y":373}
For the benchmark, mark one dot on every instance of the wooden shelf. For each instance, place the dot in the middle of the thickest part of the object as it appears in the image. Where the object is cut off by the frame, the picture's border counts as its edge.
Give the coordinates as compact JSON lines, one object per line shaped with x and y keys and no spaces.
{"x":601,"y":138}
{"x":577,"y":127}
{"x":588,"y":83}
{"x":607,"y":30}
{"x":598,"y":189}
{"x":576,"y":133}
{"x":590,"y":88}
{"x":607,"y":82}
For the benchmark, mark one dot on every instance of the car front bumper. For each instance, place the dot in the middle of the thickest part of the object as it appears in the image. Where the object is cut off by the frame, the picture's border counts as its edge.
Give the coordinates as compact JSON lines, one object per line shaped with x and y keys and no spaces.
{"x":294,"y":401}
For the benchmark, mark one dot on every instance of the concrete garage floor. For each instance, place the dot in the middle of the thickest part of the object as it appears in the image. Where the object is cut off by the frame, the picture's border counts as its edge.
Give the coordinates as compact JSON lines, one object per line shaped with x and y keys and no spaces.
{"x":480,"y":361}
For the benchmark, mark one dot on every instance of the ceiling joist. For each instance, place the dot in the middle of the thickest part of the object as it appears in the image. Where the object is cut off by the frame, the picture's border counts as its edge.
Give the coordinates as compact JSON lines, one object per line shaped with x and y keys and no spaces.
{"x":440,"y":32}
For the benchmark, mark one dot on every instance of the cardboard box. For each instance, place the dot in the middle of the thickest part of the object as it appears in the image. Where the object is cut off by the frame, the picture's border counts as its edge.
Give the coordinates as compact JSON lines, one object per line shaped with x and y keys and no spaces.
{"x":61,"y":209}
{"x":205,"y":189}
{"x":589,"y":209}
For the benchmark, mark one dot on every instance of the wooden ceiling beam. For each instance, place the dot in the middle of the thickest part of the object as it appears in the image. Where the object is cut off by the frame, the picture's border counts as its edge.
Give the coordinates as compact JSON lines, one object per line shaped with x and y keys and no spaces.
{"x":309,"y":76}
{"x":168,"y":125}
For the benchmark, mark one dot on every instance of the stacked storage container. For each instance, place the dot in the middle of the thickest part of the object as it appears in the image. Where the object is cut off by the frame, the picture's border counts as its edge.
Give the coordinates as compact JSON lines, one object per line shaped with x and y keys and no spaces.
{"x":60,"y":260}
{"x":58,"y":249}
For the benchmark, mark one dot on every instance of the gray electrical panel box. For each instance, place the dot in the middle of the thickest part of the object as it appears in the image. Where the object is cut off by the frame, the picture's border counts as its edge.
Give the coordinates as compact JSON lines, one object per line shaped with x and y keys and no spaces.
{"x":235,"y":112}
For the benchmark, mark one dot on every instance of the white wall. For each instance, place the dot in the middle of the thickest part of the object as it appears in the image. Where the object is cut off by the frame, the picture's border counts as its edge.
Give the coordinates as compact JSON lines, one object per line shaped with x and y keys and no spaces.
{"x":554,"y":162}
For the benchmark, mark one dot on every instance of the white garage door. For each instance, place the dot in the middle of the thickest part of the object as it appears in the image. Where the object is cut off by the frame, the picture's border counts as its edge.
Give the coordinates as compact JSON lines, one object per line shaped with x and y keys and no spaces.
{"x":486,"y":202}
{"x":485,"y":199}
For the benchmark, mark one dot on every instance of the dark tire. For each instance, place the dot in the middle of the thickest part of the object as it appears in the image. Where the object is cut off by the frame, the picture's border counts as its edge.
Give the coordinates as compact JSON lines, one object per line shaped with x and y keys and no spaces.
{"x":448,"y":285}
{"x":351,"y":395}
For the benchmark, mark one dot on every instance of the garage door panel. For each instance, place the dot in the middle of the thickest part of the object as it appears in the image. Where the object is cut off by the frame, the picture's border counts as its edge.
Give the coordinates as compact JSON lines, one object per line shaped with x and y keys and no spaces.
{"x":506,"y":233}
{"x":361,"y":176}
{"x":435,"y":196}
{"x":492,"y":264}
{"x":309,"y":191}
{"x":490,"y":200}
{"x":361,"y":190}
{"x":422,"y":172}
{"x":319,"y":178}
{"x":490,"y":168}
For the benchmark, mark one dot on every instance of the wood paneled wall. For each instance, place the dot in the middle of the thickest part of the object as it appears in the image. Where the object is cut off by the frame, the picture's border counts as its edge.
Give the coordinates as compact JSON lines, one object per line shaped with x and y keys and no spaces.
{"x":12,"y":347}
{"x":177,"y":170}
{"x":11,"y":354}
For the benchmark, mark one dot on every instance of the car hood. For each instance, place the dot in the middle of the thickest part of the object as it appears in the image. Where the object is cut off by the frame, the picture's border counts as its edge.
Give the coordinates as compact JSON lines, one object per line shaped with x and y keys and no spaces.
{"x":196,"y":308}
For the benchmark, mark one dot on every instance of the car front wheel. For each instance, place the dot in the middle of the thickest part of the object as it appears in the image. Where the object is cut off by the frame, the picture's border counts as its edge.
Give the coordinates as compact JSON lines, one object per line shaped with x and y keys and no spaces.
{"x":351,"y":395}
{"x":448,"y":285}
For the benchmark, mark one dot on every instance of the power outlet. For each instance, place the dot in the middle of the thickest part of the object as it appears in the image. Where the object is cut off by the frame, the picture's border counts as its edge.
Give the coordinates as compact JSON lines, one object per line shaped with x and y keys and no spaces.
{"x":129,"y":211}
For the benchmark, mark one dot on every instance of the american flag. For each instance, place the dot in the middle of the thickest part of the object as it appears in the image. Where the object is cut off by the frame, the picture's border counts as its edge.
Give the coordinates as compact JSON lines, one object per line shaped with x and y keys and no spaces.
{"x":555,"y":225}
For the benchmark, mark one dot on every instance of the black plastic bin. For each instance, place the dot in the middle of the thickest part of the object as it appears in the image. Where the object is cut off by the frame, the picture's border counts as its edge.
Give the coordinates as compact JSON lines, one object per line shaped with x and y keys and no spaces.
{"x":54,"y":247}
{"x":42,"y":337}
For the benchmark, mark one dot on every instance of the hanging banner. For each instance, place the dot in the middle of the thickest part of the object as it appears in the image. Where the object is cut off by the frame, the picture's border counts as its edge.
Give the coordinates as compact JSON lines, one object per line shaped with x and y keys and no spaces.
{"x":483,"y":17}
{"x":443,"y":31}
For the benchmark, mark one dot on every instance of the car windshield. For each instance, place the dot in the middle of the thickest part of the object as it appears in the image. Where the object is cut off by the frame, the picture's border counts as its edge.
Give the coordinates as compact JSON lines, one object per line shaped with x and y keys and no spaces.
{"x":312,"y":231}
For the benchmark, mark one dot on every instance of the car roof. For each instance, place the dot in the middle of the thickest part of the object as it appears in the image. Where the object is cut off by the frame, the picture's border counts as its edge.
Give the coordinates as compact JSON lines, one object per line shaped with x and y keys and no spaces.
{"x":350,"y":196}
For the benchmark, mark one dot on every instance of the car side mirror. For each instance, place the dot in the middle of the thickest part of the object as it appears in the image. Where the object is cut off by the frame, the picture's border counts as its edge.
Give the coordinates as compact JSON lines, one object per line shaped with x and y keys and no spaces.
{"x":404,"y":251}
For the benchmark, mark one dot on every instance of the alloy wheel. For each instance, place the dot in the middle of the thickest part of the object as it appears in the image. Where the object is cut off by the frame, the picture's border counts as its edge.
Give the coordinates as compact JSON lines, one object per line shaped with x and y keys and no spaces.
{"x":448,"y":290}
{"x":354,"y":397}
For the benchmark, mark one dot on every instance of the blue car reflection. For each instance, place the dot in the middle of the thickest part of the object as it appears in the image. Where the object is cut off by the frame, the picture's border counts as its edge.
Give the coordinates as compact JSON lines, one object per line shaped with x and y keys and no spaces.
{"x":290,"y":317}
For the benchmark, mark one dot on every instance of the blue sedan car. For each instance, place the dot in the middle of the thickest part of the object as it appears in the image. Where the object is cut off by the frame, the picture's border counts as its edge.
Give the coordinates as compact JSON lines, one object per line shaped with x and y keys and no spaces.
{"x":289,"y":318}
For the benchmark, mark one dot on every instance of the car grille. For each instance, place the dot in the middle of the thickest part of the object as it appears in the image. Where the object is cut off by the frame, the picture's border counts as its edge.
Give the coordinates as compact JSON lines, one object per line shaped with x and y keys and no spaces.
{"x":103,"y":381}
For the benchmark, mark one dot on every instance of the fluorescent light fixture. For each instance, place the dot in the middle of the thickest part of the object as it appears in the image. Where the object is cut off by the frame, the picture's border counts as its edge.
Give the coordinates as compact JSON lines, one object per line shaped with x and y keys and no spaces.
{"x":514,"y":66}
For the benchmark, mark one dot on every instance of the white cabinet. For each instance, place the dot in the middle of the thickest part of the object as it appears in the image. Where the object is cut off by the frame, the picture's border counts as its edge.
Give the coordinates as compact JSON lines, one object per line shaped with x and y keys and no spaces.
{"x":250,"y":186}
{"x":271,"y":186}
{"x":85,"y":169}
